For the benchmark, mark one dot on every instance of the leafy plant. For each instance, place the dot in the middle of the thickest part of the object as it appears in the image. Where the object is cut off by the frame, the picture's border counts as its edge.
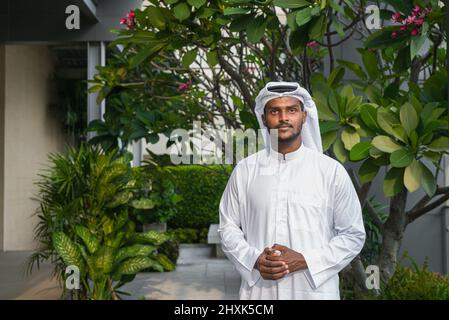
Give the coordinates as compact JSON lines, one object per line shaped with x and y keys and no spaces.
{"x":416,"y":284}
{"x":87,"y":219}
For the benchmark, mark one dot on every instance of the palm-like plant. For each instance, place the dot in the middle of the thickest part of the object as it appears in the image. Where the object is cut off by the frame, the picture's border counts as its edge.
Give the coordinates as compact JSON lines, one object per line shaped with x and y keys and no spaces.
{"x":86,"y":218}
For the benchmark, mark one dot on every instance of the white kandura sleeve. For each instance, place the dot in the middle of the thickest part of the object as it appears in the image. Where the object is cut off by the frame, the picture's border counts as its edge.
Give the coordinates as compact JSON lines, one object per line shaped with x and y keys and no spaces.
{"x":232,"y":238}
{"x":349,"y":234}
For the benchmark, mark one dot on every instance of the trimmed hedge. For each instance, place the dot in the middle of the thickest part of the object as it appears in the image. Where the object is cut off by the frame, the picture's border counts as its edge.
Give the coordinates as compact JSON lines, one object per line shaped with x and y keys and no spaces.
{"x":201,"y":188}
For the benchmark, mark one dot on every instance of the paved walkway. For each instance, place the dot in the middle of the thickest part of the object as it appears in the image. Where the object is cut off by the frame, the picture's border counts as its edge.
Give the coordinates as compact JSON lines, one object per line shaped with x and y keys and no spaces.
{"x":15,"y":285}
{"x":196,"y":277}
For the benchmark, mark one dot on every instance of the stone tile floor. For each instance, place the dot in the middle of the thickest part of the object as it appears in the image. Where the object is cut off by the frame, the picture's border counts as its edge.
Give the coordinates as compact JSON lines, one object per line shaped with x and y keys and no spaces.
{"x":196,"y":277}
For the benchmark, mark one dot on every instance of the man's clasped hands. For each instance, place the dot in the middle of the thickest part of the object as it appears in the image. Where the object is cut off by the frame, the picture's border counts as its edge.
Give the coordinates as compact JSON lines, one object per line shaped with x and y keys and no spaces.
{"x":276,"y":262}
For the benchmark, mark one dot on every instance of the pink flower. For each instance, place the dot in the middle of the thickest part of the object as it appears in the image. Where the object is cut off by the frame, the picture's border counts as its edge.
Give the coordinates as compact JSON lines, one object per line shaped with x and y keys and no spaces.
{"x":312,"y":44}
{"x":414,"y":32}
{"x":419,"y":22}
{"x":184,"y":86}
{"x":403,"y":28}
{"x":410,"y":19}
{"x":416,"y":9}
{"x":395,"y":17}
{"x":394,"y":35}
{"x":129,"y":20}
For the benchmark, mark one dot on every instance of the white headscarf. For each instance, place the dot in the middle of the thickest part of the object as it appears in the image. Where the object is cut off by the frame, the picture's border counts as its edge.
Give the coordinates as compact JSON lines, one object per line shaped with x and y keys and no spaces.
{"x":310,"y":133}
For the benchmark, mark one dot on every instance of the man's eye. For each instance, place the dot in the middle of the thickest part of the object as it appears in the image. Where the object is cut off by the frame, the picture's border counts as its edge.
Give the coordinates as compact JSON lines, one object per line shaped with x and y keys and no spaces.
{"x":293,"y":110}
{"x":274,"y":111}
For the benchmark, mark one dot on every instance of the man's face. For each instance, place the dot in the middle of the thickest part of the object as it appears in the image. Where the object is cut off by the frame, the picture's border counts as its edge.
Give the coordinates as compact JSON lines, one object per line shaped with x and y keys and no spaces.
{"x":284,"y":114}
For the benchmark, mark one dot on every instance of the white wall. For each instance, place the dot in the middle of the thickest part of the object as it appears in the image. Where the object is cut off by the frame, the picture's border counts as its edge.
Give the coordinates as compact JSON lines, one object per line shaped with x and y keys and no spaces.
{"x":30,"y":131}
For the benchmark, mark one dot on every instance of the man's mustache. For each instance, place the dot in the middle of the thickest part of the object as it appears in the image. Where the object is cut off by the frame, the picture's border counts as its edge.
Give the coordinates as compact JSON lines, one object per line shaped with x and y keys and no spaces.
{"x":284,"y":125}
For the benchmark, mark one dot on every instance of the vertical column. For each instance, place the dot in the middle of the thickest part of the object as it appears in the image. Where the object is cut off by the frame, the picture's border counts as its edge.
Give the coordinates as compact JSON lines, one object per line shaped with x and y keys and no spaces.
{"x":137,"y":153}
{"x":96,"y":56}
{"x":445,"y":220}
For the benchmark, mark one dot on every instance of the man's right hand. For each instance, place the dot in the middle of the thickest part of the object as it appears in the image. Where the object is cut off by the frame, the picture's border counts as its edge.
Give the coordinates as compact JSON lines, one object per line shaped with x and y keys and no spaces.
{"x":271,"y":269}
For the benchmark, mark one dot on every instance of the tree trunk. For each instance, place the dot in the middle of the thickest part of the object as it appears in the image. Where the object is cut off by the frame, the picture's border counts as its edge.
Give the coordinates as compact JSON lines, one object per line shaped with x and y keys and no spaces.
{"x":392,"y":236}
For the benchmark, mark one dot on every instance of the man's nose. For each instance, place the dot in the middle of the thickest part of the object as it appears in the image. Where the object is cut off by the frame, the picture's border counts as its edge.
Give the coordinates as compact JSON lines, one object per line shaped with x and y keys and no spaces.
{"x":283,"y":116}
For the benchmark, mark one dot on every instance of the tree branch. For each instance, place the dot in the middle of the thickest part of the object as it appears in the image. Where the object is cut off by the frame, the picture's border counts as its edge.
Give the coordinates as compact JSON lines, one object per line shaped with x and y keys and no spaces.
{"x":362,"y":192}
{"x":235,"y":76}
{"x":415,"y":214}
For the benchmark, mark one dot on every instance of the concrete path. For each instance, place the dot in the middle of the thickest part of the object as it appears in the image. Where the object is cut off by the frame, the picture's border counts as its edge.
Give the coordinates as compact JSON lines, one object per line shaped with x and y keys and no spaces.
{"x":197,"y":277}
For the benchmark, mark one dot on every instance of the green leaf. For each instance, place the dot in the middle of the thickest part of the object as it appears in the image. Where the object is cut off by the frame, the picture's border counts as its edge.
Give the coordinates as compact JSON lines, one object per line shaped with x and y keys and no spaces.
{"x":350,"y":138}
{"x":90,"y":241}
{"x":368,"y":113}
{"x":382,"y":38}
{"x":303,"y":16}
{"x":196,"y":3}
{"x":439,"y":144}
{"x":134,"y":251}
{"x":120,"y":199}
{"x":370,"y":62}
{"x":340,"y":152}
{"x":212,"y":58}
{"x":401,"y":158}
{"x":412,"y":176}
{"x":354,"y":67}
{"x":181,"y":11}
{"x":146,"y":53}
{"x":256,"y":29}
{"x":393,"y":182}
{"x":240,"y":23}
{"x":360,"y":151}
{"x":235,"y":10}
{"x":368,"y":171}
{"x":318,"y":28}
{"x":189,"y":57}
{"x":402,"y":61}
{"x":291,"y":3}
{"x":428,"y":180}
{"x":385,"y":144}
{"x":152,"y":237}
{"x":67,"y":250}
{"x":336,"y":76}
{"x":327,"y":126}
{"x":143,"y":203}
{"x":338,"y":27}
{"x":416,"y":44}
{"x":328,"y":139}
{"x":104,"y":259}
{"x":386,"y":119}
{"x":165,"y":262}
{"x":133,"y":266}
{"x":409,"y":117}
{"x":156,"y":16}
{"x":404,"y":6}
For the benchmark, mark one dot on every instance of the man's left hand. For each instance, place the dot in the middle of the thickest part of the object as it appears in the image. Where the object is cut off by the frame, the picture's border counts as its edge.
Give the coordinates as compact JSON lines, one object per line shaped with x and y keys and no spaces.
{"x":293,"y":259}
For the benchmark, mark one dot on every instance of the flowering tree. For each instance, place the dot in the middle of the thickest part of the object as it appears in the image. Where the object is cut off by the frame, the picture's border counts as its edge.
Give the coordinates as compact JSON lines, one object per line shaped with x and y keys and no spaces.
{"x":193,"y":59}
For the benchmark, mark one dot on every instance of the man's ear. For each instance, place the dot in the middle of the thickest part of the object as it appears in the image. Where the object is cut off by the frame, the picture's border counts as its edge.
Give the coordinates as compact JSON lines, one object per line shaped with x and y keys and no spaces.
{"x":264,"y":121}
{"x":305,"y":116}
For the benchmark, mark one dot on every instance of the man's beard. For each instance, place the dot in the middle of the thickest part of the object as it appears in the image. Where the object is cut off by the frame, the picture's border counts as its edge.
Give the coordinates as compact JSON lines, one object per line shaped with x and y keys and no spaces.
{"x":294,"y":136}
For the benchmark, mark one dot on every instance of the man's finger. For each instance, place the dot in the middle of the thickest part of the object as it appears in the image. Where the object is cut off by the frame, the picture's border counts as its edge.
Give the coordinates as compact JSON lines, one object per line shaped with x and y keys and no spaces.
{"x":270,"y":263}
{"x":274,"y":270}
{"x":273,"y":258}
{"x":274,"y":276}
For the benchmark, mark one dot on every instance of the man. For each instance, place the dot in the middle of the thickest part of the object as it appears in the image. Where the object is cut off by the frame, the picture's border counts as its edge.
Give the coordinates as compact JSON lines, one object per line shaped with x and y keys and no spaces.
{"x":290,"y":218}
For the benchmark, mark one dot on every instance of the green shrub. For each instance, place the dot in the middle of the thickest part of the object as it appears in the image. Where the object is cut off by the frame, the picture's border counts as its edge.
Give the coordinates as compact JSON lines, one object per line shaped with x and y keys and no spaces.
{"x":200,"y":188}
{"x":189,"y":235}
{"x":416,"y":284}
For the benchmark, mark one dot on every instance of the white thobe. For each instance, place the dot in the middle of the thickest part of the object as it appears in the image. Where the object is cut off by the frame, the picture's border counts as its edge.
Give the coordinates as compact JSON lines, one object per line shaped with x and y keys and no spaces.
{"x":304,"y":200}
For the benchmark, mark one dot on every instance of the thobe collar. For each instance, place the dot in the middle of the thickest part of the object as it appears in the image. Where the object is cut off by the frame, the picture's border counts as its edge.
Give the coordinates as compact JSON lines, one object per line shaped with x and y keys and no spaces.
{"x":288,"y":156}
